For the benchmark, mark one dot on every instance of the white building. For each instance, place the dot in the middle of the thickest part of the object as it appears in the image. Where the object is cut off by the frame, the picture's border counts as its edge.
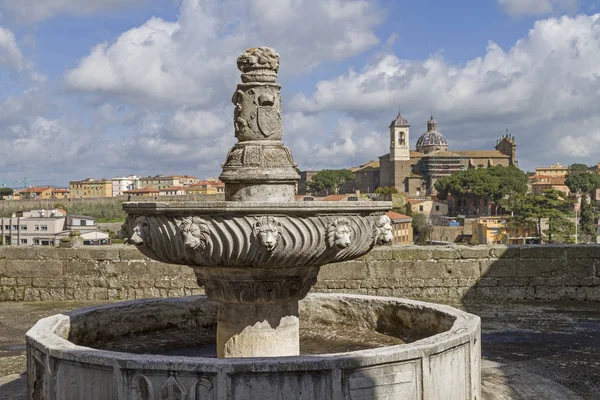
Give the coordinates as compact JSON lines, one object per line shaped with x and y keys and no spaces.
{"x":119,"y":185}
{"x":47,"y":227}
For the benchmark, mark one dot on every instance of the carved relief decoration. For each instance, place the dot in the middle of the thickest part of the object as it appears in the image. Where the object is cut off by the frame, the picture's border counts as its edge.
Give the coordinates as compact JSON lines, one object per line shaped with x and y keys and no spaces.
{"x":384,"y":232}
{"x":141,"y":388}
{"x":141,"y":232}
{"x":37,"y":384}
{"x":172,"y":389}
{"x":259,"y":156}
{"x":268,"y":231}
{"x":203,"y":390}
{"x":234,"y":241}
{"x":258,"y":291}
{"x":339,"y":233}
{"x":195,"y":233}
{"x":257,"y":112}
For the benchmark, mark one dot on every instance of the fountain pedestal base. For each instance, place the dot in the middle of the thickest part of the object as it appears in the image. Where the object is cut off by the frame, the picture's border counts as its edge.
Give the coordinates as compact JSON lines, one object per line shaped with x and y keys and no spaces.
{"x":258,"y":330}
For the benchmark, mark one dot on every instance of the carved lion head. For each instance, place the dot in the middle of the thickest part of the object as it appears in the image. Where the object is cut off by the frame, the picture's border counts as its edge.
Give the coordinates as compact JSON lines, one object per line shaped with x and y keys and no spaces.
{"x":339,"y":233}
{"x":141,"y":232}
{"x":384,"y":232}
{"x":195,"y":233}
{"x":268,"y":231}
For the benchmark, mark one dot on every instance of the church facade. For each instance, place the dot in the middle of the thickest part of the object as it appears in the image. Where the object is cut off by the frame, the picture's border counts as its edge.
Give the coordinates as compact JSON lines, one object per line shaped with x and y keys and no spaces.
{"x":414,"y":172}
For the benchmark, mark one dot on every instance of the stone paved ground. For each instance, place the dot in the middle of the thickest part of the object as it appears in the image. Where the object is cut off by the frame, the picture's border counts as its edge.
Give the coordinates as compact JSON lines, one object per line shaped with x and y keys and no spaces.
{"x":535,"y":351}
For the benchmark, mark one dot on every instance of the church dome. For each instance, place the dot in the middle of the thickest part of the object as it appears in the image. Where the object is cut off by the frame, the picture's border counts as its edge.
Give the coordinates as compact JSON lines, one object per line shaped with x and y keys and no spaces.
{"x":399,"y":121}
{"x":432,"y":140}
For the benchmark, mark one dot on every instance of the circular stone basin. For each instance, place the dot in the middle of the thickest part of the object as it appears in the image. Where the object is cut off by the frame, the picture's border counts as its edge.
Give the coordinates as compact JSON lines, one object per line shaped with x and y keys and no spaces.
{"x":407,"y":350}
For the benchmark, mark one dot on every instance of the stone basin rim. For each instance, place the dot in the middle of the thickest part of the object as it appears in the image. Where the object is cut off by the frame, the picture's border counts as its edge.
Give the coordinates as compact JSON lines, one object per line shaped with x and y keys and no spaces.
{"x":259,"y":207}
{"x":44,"y":336}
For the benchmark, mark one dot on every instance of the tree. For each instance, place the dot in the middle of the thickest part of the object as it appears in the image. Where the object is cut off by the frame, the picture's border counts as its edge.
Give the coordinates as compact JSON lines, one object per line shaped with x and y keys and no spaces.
{"x":6,"y":192}
{"x":498,"y":183}
{"x":330,"y":180}
{"x":408,"y":209}
{"x":421,"y":228}
{"x":583,"y":182}
{"x":386,"y":190}
{"x":578,"y":168}
{"x":560,"y":230}
{"x":586,"y":221}
{"x":531,"y":208}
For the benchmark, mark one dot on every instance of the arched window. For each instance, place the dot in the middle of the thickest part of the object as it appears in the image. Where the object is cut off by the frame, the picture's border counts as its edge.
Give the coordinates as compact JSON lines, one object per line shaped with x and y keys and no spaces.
{"x":401,"y":138}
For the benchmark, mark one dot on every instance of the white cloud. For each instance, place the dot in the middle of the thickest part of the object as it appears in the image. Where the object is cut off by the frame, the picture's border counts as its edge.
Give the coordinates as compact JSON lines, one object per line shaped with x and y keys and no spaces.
{"x":191,"y":61}
{"x":546,"y":78}
{"x":10,"y":54}
{"x":38,"y":10}
{"x":350,"y":143}
{"x":536,"y":7}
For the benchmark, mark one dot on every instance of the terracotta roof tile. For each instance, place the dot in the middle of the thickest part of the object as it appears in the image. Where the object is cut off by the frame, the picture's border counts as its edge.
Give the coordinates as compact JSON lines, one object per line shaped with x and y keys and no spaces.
{"x":394,"y":216}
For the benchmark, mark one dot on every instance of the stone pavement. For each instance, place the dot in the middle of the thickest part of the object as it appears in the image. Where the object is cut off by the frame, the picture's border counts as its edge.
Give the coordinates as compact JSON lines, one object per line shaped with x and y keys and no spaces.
{"x":533,"y":351}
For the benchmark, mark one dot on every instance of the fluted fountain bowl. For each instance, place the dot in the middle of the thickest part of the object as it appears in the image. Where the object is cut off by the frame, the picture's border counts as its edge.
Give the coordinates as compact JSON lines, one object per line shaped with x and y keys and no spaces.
{"x":254,"y":234}
{"x":256,"y":252}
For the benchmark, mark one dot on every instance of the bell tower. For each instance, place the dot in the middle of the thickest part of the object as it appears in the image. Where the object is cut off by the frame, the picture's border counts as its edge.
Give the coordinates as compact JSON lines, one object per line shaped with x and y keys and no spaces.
{"x":399,"y":139}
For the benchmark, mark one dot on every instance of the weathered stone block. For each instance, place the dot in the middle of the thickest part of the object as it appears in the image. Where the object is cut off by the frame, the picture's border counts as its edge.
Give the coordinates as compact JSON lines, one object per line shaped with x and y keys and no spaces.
{"x":102,"y":253}
{"x":47,"y":282}
{"x":80,"y":267}
{"x":410,"y":253}
{"x":498,"y":268}
{"x":543,"y":251}
{"x":583,"y":251}
{"x":533,"y":267}
{"x":497,"y":292}
{"x":19,"y":293}
{"x":151,"y":292}
{"x":52,"y":294}
{"x":30,"y":269}
{"x":504,"y":251}
{"x":18,"y":252}
{"x":349,"y":270}
{"x":469,"y":252}
{"x":386,"y":269}
{"x":462,"y":269}
{"x":2,"y":268}
{"x":443,"y":253}
{"x":7,"y":293}
{"x":517,"y":282}
{"x":581,"y":268}
{"x":467,"y":282}
{"x":488,"y":282}
{"x":458,"y":293}
{"x":31,"y":294}
{"x":24,"y":281}
{"x":130,"y":253}
{"x":593,"y":293}
{"x":8,"y":281}
{"x":437,"y":293}
{"x":52,"y":253}
{"x":97,"y":293}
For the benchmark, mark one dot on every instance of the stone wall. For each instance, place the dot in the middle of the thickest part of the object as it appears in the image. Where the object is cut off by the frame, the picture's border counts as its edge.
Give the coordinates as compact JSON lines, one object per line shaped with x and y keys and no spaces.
{"x":456,"y":273}
{"x":431,"y":273}
{"x":89,"y":273}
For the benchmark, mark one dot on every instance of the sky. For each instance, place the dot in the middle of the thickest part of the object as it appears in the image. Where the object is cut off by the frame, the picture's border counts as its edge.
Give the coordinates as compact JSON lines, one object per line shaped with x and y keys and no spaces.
{"x":143,"y":87}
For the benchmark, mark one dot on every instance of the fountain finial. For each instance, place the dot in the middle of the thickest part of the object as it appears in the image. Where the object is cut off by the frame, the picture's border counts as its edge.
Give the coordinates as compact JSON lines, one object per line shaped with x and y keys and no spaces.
{"x":259,"y":167}
{"x":258,"y":64}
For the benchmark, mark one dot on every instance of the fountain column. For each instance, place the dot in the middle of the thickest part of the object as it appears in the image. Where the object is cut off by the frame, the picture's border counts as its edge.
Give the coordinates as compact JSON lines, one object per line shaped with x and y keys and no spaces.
{"x":258,"y":313}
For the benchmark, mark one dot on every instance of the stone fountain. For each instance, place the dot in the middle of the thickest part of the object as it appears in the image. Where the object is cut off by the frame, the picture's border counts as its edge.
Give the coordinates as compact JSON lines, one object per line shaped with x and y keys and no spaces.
{"x":257,"y":254}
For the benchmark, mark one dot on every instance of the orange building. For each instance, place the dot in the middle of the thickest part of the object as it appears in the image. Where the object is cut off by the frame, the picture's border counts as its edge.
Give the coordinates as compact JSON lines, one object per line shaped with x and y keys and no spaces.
{"x":401,"y":228}
{"x":496,"y":230}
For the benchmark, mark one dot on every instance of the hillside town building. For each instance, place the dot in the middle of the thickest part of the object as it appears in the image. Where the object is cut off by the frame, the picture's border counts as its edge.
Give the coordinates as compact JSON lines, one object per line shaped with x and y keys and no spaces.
{"x":414,"y":172}
{"x":90,"y":188}
{"x":47,"y":227}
